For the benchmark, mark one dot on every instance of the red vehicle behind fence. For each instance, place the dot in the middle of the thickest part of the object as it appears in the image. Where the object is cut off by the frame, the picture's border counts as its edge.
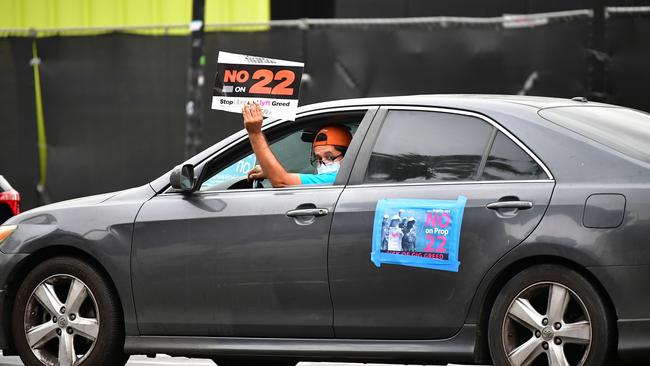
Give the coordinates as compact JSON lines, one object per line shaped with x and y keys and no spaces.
{"x":9,"y":200}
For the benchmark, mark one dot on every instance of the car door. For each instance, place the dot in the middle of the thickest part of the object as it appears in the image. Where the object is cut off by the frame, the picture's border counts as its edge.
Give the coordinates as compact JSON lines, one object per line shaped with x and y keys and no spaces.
{"x":240,"y":262}
{"x":428,"y":153}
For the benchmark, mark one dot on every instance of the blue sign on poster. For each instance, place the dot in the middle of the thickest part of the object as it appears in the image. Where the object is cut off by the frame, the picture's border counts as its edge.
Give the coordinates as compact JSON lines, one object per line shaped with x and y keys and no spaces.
{"x":418,"y":233}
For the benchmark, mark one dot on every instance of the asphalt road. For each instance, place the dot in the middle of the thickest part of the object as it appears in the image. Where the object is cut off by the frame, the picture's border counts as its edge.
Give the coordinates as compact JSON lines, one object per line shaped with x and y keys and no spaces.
{"x":163,"y":360}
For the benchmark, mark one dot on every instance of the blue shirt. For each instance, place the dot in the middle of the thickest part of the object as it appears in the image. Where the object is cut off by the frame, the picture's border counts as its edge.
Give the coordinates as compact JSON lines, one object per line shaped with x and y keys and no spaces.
{"x":326,"y":178}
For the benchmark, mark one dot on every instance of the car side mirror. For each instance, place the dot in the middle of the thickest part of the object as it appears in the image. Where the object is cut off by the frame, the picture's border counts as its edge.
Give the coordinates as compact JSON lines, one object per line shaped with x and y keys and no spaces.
{"x":182,"y":178}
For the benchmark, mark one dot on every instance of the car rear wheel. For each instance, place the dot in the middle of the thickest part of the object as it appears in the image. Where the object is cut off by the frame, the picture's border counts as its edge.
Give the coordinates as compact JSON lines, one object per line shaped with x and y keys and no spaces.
{"x":65,"y":314}
{"x":549,"y":315}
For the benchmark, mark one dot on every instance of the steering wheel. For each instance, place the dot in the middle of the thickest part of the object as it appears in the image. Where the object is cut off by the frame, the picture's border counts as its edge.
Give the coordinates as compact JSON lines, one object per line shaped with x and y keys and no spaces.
{"x":257,"y":183}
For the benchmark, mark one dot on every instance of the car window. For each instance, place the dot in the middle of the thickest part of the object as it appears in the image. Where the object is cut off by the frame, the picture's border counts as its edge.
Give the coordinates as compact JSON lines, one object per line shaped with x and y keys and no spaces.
{"x":508,"y":161}
{"x":293,"y":151}
{"x":422,"y":146}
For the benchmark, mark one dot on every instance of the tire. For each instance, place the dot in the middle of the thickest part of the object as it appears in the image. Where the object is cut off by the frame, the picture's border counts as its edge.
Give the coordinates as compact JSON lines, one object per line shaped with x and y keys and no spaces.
{"x":524,"y":330}
{"x":255,"y":362}
{"x":87,"y":307}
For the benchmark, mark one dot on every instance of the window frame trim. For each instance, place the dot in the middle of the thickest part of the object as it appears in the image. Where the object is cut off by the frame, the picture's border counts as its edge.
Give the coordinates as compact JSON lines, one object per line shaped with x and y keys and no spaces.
{"x":249,"y":190}
{"x":363,"y":158}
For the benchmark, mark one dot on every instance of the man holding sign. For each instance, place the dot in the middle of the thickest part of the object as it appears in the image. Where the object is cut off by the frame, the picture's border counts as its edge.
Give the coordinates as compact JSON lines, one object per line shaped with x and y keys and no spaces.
{"x":328,"y":149}
{"x":267,"y":87}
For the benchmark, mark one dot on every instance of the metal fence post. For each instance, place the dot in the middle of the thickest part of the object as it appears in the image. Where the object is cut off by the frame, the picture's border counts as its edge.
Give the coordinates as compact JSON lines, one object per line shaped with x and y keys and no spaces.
{"x":195,"y":81}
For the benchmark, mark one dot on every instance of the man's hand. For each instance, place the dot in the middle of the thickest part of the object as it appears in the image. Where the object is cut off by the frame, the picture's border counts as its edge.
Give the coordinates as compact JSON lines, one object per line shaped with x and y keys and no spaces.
{"x":252,"y":117}
{"x":256,"y":173}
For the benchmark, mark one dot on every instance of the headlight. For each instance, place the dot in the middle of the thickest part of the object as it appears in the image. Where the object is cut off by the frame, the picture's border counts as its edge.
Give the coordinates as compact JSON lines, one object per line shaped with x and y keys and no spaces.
{"x":5,"y":231}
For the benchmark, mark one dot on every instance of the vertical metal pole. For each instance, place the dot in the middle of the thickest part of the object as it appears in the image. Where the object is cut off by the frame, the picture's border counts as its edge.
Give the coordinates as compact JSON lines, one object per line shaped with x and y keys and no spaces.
{"x":195,"y":81}
{"x":43,"y":196}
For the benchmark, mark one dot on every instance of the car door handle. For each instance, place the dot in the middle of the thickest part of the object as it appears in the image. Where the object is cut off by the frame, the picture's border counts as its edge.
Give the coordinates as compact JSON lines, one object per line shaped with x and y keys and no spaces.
{"x":521,"y":205}
{"x":316,"y":212}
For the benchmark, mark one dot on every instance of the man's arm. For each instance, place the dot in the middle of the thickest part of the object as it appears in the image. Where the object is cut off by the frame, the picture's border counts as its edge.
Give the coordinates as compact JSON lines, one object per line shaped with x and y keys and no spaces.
{"x":272,"y":168}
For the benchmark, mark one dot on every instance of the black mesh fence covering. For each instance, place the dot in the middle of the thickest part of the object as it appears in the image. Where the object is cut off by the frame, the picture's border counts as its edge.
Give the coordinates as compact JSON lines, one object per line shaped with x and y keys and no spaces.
{"x":18,"y":143}
{"x":114,"y":104}
{"x":392,"y":60}
{"x":113,"y":110}
{"x":628,"y":60}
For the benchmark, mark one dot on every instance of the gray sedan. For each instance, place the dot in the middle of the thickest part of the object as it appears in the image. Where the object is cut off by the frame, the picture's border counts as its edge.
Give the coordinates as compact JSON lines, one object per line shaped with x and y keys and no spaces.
{"x":549,"y":267}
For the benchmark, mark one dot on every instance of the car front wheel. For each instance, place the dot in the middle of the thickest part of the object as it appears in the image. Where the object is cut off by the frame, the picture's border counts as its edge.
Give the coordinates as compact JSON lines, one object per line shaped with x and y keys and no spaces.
{"x":549,"y":315}
{"x":65,"y":314}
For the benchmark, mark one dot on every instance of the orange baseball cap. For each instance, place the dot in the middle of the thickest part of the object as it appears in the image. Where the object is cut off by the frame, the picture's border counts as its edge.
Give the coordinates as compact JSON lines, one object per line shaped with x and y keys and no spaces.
{"x":333,"y":135}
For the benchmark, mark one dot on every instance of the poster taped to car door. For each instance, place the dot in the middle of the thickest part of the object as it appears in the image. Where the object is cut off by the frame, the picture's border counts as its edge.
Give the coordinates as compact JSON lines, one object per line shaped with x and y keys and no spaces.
{"x":273,"y":84}
{"x":418,"y":233}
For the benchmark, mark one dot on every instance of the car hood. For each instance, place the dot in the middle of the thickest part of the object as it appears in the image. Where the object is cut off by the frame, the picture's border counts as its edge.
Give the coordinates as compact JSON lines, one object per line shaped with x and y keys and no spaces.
{"x":144,"y":191}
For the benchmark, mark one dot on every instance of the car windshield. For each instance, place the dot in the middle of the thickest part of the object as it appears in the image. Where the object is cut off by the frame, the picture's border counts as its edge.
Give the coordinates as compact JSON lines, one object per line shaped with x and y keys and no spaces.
{"x":624,"y":130}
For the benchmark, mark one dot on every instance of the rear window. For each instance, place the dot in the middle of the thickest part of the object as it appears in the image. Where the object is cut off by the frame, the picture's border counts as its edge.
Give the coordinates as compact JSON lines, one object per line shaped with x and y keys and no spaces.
{"x":507,"y":161}
{"x":624,"y":130}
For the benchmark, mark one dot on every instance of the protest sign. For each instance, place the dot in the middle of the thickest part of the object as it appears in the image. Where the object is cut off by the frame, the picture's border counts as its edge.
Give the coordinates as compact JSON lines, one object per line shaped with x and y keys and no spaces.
{"x":273,"y":84}
{"x":418,"y":233}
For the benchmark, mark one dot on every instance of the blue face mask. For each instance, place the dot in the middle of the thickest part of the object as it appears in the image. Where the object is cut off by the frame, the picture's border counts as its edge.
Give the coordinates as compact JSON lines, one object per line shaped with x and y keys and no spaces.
{"x":330,"y":168}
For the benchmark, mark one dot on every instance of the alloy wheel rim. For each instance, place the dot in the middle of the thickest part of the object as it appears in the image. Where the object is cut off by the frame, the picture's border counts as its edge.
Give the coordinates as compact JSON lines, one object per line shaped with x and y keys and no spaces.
{"x":61,"y":333}
{"x":547,"y":324}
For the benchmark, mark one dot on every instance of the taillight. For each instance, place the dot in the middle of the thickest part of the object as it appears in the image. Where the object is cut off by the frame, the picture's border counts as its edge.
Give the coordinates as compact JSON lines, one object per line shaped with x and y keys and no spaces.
{"x":11,"y":198}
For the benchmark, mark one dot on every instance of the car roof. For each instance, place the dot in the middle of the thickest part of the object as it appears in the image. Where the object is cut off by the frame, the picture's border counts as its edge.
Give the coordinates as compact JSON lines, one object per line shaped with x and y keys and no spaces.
{"x":456,"y":101}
